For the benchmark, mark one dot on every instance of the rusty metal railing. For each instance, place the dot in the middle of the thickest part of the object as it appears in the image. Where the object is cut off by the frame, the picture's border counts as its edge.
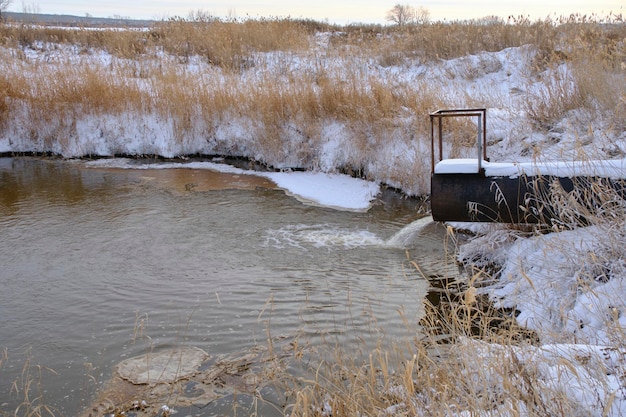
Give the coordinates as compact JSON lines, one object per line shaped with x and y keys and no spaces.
{"x":481,"y":140}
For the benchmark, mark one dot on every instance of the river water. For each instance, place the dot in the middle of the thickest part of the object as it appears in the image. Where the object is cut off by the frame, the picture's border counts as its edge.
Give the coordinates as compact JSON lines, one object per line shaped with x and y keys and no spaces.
{"x":98,"y":265}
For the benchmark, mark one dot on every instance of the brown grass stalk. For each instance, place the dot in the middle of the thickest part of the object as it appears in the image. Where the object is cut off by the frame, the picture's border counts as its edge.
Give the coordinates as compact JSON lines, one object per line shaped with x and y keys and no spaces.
{"x":141,"y":80}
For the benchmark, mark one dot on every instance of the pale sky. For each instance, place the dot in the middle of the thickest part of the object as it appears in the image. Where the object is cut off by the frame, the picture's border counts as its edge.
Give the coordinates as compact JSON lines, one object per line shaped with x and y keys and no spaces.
{"x":335,"y":11}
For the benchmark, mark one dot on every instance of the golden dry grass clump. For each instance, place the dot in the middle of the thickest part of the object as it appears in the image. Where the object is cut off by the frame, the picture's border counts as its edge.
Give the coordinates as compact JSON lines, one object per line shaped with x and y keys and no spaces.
{"x":469,"y":358}
{"x":286,"y":81}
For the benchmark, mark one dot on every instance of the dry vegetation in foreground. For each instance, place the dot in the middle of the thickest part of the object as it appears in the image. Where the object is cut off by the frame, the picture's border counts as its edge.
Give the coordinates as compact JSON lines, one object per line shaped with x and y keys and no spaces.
{"x":469,"y":358}
{"x":466,"y":358}
{"x":438,"y":373}
{"x":279,"y":81}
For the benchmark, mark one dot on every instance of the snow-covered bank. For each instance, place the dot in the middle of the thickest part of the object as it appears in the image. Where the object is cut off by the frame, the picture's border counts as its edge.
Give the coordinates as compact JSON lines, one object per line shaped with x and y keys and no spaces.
{"x":570,"y":288}
{"x":568,"y":379}
{"x":392,"y":148}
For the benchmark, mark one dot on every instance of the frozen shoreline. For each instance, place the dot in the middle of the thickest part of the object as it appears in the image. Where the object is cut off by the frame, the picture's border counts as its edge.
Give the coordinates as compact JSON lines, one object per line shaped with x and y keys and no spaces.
{"x":337,"y":191}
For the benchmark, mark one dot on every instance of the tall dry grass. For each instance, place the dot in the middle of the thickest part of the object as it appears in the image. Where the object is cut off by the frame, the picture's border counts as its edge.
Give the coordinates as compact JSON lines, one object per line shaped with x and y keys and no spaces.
{"x":594,"y":52}
{"x":28,"y":391}
{"x":469,"y":358}
{"x":223,"y":43}
{"x":277,"y":78}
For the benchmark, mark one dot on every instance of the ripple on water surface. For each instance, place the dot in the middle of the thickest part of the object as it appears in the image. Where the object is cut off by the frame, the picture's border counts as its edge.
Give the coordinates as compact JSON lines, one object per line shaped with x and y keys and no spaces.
{"x":105,"y":264}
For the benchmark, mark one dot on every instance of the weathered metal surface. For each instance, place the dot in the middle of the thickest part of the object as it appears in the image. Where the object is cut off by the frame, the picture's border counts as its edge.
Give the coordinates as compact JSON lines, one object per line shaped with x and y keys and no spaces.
{"x":537,"y":199}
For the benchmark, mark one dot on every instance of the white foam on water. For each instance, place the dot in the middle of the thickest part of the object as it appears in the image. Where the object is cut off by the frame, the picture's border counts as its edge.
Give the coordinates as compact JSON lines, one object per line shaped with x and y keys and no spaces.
{"x":325,"y":235}
{"x":319,"y":236}
{"x":407,"y":236}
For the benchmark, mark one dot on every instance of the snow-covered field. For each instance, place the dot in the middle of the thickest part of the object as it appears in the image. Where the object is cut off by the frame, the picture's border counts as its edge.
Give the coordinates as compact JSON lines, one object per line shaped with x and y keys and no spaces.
{"x":569,"y":287}
{"x":394,"y":150}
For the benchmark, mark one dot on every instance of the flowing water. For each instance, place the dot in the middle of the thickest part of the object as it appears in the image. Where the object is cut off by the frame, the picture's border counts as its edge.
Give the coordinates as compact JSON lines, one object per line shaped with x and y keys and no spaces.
{"x":98,"y":265}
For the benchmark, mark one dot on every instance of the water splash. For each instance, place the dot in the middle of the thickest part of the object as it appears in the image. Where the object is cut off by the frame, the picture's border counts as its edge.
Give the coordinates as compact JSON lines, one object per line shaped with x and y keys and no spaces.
{"x":407,"y":236}
{"x":320,"y":235}
{"x":330,"y":236}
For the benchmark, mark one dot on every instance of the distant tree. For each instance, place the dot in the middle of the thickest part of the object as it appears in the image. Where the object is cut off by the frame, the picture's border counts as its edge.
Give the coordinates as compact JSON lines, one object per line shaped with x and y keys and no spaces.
{"x":30,"y":8}
{"x":201,"y":16}
{"x":403,"y":14}
{"x":4,"y":4}
{"x":422,"y":15}
{"x":490,"y":20}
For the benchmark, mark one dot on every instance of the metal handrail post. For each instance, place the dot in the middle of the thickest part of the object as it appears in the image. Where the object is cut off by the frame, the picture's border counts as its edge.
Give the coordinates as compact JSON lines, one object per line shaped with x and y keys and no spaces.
{"x":479,"y":143}
{"x":432,"y":144}
{"x":440,"y":138}
{"x":481,"y":139}
{"x":484,"y":134}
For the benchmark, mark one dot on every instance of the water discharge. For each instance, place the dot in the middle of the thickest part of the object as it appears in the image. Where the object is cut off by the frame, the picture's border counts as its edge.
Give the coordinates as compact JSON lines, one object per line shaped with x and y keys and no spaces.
{"x":409,"y":235}
{"x":101,"y":265}
{"x":325,"y":235}
{"x":321,"y":236}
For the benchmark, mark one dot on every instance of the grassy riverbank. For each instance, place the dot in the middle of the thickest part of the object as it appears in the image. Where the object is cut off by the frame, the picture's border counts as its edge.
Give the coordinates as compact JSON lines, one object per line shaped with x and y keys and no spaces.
{"x":304,"y":94}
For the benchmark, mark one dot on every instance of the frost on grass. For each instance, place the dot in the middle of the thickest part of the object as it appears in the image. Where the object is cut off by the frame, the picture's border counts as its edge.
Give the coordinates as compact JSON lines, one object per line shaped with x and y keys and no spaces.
{"x":569,"y":287}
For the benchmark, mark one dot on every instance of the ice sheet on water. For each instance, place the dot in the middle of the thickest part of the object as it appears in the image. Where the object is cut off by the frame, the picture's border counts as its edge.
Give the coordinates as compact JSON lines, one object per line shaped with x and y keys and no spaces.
{"x":338,"y":191}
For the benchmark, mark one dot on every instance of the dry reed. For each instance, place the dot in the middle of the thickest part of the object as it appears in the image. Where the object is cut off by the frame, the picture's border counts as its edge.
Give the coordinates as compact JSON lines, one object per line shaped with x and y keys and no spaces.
{"x":472,"y":359}
{"x":28,"y":391}
{"x":151,"y":74}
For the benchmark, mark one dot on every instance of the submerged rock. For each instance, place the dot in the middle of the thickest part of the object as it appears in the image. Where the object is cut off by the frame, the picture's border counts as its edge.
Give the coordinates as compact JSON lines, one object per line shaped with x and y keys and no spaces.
{"x":185,"y":379}
{"x":162,"y":367}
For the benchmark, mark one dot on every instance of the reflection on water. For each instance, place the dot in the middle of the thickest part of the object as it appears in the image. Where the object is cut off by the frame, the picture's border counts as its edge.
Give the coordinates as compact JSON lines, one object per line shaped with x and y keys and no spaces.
{"x":42,"y":179}
{"x":184,"y":180}
{"x":101,"y":264}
